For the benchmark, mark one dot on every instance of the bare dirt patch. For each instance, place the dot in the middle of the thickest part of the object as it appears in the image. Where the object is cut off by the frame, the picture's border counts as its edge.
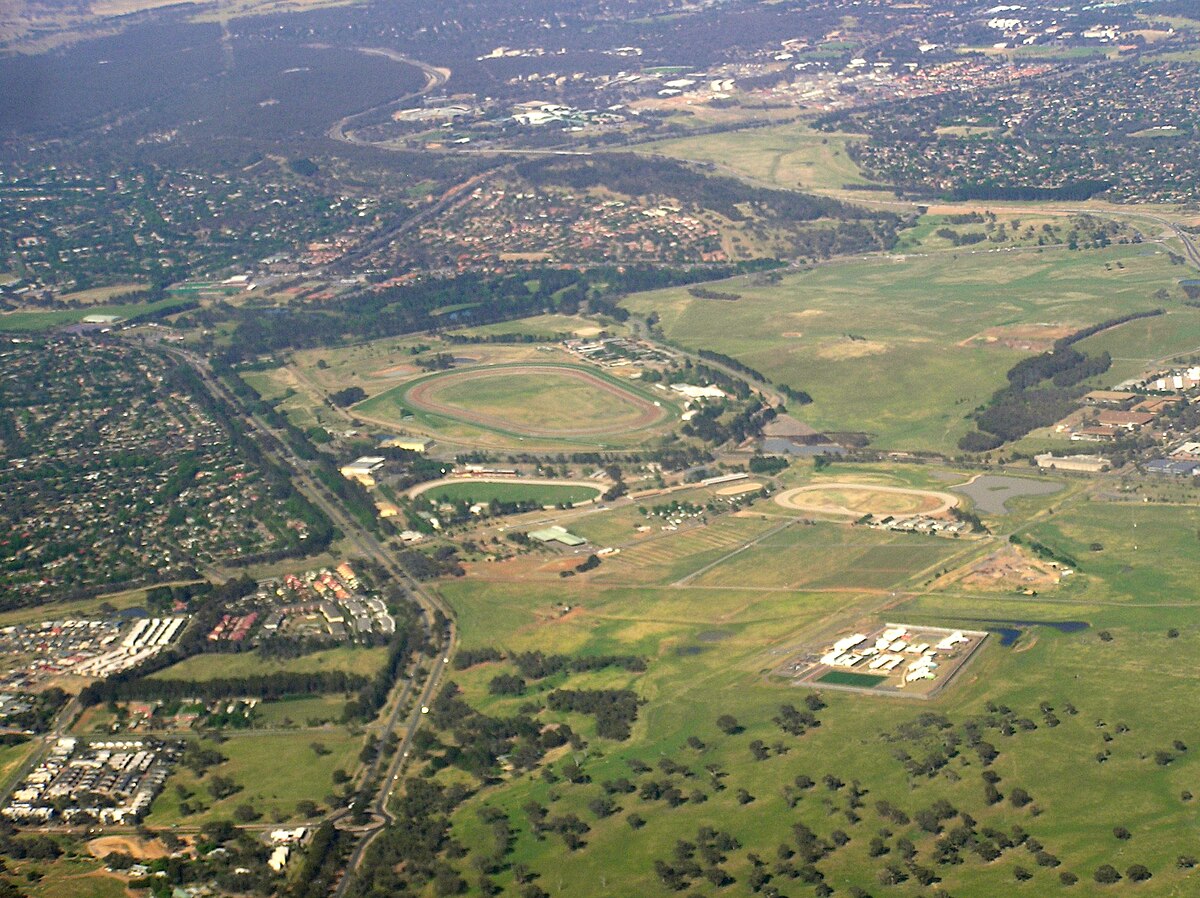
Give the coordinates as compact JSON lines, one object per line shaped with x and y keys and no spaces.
{"x":1025,"y":337}
{"x":1008,"y":569}
{"x":807,"y":313}
{"x":795,"y":335}
{"x":135,"y":847}
{"x":738,"y":488}
{"x":850,"y":349}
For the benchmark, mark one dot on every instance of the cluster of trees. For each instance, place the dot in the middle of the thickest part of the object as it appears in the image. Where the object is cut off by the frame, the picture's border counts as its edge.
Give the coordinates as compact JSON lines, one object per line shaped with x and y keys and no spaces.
{"x":480,"y":740}
{"x":1045,"y":551}
{"x":440,"y":562}
{"x":536,"y":665}
{"x":657,"y":176}
{"x":767,"y":464}
{"x":1028,"y":402}
{"x":348,"y":396}
{"x":615,"y":710}
{"x":411,"y":854}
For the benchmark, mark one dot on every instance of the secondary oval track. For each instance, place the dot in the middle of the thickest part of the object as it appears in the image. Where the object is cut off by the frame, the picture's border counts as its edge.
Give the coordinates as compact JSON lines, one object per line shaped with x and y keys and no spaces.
{"x":793,"y":499}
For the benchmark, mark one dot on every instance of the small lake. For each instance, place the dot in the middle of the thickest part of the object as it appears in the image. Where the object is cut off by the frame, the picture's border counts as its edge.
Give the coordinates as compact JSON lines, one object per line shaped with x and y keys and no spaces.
{"x":1010,"y":631}
{"x":992,"y":492}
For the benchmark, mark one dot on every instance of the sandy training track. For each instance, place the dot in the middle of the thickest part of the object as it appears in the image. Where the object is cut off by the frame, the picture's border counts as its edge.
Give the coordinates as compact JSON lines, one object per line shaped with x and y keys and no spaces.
{"x":938,"y":503}
{"x":421,"y":396}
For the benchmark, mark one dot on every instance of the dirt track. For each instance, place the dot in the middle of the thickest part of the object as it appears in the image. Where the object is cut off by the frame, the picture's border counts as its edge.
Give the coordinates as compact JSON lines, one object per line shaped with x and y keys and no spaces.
{"x":793,"y":499}
{"x":419,"y":397}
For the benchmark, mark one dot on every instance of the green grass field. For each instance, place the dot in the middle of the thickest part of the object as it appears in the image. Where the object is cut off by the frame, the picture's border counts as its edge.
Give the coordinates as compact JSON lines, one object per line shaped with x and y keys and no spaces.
{"x":900,"y":328}
{"x":542,"y":493}
{"x":12,"y":757}
{"x":709,"y":649}
{"x":249,"y":664}
{"x":784,"y":156}
{"x":79,"y":877}
{"x":42,"y":321}
{"x":300,"y":711}
{"x":275,"y":770}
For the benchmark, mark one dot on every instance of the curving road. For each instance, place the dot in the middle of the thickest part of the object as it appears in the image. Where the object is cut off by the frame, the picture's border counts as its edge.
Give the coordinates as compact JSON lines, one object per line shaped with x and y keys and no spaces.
{"x":435,"y":78}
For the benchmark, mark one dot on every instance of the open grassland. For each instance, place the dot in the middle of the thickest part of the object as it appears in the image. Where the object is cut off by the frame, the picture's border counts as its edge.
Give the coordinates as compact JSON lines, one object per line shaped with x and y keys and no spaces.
{"x":1093,"y":735}
{"x":546,"y":403}
{"x":925,"y":237}
{"x":274,"y":770}
{"x":78,"y":877}
{"x":790,"y":155}
{"x":541,"y":493}
{"x":99,"y":295}
{"x":886,"y":347}
{"x":1142,"y":344}
{"x":831,"y":557}
{"x":250,"y":664}
{"x":1127,"y":552}
{"x":12,"y":757}
{"x":663,"y":557}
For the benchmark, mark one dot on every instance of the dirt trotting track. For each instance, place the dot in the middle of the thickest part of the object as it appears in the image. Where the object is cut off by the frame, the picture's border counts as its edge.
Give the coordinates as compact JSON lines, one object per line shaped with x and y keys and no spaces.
{"x":939,"y":503}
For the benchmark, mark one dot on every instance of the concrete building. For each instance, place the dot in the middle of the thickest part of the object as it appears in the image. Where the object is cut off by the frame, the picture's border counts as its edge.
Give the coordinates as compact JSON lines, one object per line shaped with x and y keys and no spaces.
{"x":1087,"y":464}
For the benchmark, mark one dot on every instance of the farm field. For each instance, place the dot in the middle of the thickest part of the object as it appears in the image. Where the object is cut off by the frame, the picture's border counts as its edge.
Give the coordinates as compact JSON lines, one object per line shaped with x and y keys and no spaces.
{"x":214,"y":666}
{"x":274,"y":771}
{"x":1076,"y":704}
{"x":834,"y":557}
{"x":907,"y":328}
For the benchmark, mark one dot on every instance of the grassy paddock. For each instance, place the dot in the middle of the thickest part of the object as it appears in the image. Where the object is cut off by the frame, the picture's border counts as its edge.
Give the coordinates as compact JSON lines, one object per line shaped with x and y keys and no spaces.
{"x":250,"y":664}
{"x":906,"y":329}
{"x":275,"y":770}
{"x":785,"y":156}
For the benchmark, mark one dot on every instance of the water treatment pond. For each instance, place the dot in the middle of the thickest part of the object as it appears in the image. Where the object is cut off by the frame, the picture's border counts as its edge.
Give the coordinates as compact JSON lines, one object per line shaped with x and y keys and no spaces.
{"x":992,"y":492}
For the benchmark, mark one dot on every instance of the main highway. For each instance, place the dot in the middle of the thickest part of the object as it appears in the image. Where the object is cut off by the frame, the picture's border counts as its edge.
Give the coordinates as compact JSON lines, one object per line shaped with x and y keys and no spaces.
{"x":364,"y":542}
